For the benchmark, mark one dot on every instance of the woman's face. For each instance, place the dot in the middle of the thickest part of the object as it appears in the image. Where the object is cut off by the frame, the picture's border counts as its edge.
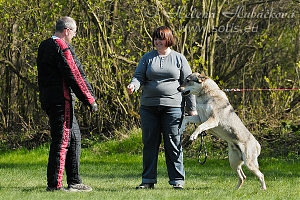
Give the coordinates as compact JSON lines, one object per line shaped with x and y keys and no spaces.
{"x":160,"y":44}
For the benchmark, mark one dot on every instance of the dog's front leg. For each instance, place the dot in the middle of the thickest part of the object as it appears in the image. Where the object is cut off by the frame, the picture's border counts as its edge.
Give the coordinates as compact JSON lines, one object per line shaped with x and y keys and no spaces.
{"x":210,"y":123}
{"x":188,"y":119}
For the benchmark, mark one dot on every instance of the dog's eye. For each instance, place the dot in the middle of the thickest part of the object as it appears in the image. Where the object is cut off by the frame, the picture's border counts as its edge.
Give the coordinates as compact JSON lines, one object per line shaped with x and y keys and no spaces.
{"x":187,"y":80}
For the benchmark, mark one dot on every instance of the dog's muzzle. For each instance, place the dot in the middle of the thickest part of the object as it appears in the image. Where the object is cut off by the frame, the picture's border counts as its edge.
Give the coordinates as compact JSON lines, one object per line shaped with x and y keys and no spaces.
{"x":184,"y":93}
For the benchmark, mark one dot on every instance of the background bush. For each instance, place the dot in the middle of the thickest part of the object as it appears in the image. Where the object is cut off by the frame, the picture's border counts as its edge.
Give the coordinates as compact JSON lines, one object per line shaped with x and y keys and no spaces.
{"x":237,"y":43}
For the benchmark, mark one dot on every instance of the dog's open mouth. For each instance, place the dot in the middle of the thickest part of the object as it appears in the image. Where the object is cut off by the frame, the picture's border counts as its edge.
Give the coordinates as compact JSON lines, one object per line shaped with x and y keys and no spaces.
{"x":186,"y":93}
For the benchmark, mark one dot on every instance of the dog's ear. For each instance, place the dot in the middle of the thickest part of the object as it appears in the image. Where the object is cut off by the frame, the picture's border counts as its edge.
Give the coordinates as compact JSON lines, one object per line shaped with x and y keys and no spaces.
{"x":202,"y":77}
{"x":202,"y":73}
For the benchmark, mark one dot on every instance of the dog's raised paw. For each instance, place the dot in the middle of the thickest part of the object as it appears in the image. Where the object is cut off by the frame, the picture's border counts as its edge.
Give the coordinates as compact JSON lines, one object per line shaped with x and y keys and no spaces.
{"x":193,"y":137}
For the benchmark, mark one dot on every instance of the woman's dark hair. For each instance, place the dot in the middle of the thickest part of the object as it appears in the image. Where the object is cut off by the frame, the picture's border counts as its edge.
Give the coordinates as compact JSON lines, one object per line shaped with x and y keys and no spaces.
{"x":163,"y":32}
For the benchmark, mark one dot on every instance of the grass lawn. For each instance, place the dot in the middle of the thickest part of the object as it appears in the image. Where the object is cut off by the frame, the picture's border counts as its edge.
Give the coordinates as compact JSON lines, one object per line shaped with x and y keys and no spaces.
{"x":115,"y":174}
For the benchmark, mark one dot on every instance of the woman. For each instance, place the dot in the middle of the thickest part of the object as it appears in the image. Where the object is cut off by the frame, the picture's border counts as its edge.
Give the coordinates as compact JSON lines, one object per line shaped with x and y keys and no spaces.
{"x":160,"y":72}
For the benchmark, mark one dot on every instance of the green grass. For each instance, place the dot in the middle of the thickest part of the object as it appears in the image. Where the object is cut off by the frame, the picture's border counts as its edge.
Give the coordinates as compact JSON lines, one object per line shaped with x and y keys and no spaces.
{"x":114,"y":168}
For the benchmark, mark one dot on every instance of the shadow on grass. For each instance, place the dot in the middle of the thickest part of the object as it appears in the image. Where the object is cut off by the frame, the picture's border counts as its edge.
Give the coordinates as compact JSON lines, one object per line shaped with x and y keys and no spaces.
{"x":124,"y":173}
{"x":268,"y":166}
{"x":130,"y":169}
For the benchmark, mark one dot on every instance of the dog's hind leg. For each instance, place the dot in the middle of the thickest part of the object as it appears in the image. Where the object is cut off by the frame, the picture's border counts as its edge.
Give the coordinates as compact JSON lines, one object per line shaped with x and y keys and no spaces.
{"x":252,"y":166}
{"x":236,"y":162}
{"x":252,"y":152}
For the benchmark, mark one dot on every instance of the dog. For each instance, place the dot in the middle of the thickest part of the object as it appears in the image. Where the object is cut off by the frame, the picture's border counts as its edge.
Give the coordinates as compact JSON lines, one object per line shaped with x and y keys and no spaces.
{"x":216,"y":115}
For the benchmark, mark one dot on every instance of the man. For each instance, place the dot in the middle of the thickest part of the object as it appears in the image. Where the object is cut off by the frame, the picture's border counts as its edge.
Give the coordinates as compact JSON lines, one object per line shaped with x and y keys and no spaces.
{"x":61,"y":79}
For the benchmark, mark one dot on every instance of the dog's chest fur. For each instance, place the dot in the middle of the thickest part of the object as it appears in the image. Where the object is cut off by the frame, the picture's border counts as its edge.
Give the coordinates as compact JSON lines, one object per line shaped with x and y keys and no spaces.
{"x":219,"y":108}
{"x":207,"y":105}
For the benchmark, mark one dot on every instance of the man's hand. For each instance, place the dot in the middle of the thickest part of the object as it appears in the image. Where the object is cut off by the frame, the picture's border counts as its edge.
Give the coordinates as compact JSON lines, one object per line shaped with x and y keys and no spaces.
{"x":94,"y":107}
{"x":130,"y":88}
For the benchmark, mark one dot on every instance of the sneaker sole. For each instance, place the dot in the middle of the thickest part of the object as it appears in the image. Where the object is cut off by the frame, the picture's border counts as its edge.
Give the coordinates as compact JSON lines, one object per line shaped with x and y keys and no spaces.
{"x":77,"y":190}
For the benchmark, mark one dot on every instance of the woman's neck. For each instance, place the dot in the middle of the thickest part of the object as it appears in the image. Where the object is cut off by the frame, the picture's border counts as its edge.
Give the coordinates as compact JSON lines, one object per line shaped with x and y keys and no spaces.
{"x":164,"y":52}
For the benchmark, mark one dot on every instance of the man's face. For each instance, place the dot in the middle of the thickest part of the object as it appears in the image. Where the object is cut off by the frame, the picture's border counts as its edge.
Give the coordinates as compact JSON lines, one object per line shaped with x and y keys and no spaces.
{"x":70,"y":33}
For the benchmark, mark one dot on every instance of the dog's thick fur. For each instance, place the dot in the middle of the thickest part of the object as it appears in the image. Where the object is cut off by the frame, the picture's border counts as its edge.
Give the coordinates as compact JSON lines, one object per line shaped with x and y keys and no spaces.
{"x":216,"y":114}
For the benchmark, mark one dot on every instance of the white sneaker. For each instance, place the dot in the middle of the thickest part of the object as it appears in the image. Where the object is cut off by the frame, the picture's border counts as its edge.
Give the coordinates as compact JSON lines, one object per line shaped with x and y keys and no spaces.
{"x":79,"y":188}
